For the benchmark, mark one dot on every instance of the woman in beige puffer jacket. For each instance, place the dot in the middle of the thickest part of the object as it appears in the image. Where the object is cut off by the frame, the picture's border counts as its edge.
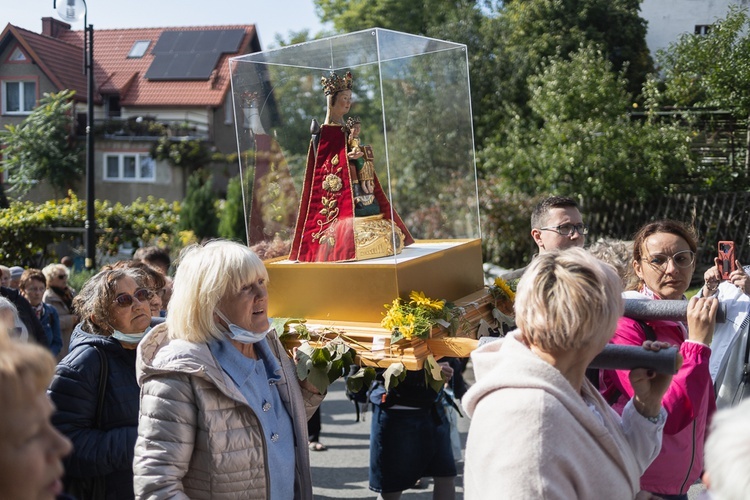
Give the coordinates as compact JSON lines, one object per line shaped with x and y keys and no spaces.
{"x":201,"y":435}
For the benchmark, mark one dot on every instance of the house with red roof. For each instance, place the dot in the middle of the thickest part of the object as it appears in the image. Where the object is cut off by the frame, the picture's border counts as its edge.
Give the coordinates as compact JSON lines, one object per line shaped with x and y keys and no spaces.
{"x":177,"y":78}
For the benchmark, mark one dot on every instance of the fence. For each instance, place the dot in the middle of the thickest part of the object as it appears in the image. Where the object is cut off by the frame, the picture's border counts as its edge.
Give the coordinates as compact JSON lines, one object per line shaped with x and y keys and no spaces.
{"x":723,"y":216}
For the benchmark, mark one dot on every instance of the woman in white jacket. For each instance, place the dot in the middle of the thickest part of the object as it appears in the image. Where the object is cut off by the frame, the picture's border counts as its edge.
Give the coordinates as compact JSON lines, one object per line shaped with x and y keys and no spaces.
{"x":222,"y":415}
{"x":539,"y":428}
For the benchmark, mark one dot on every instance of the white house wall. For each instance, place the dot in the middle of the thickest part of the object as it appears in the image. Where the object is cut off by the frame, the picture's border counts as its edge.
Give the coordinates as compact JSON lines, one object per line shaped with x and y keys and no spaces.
{"x":668,"y":19}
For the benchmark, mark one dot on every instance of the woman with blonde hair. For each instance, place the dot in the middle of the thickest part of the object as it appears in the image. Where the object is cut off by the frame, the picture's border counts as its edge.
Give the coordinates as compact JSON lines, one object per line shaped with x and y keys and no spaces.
{"x":223,"y":414}
{"x":539,"y":428}
{"x":31,"y":449}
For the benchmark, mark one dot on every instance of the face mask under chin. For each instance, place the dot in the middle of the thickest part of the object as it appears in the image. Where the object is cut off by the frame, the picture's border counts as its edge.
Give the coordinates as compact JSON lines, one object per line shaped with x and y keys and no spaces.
{"x":239,"y":334}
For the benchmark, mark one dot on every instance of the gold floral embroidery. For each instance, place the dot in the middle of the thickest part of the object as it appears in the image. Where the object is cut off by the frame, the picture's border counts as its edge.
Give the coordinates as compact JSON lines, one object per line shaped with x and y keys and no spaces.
{"x":332,"y":185}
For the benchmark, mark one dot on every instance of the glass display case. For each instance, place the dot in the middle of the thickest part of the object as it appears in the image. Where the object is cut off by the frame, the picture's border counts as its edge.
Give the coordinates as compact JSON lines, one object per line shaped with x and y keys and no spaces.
{"x":307,"y":204}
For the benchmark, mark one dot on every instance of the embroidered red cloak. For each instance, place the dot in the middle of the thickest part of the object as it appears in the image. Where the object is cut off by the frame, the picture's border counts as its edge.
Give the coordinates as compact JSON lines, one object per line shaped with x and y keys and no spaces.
{"x":325,"y":222}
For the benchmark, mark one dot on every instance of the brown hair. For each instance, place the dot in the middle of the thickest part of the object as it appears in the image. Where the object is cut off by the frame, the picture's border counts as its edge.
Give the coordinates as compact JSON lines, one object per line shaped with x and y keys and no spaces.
{"x":31,"y":274}
{"x":541,"y":210}
{"x":669,"y":226}
{"x":93,"y":302}
{"x":154,"y":278}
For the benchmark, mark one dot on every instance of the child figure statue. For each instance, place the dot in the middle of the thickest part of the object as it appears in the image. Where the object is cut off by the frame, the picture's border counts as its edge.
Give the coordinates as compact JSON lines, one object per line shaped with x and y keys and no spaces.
{"x":344,"y":214}
{"x":361,"y":171}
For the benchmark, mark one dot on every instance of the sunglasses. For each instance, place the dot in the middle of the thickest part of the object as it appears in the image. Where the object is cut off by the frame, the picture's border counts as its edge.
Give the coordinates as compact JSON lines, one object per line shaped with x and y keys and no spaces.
{"x":126,"y":300}
{"x":62,"y":276}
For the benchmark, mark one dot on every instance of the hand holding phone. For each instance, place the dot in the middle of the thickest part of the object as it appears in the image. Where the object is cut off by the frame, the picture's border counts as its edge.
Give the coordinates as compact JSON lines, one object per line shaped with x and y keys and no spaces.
{"x":726,"y":258}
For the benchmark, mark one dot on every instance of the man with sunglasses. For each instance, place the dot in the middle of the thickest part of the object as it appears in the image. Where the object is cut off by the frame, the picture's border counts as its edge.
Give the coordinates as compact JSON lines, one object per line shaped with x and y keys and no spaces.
{"x":556,"y":224}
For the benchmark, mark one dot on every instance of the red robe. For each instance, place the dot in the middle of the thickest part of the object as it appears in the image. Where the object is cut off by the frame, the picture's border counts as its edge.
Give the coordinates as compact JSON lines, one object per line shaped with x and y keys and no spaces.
{"x":325,"y":222}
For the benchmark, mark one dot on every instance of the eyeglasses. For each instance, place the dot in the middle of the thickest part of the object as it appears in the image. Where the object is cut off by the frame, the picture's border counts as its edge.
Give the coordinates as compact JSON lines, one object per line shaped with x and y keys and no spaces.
{"x":126,"y":300}
{"x":683,"y":259}
{"x":35,"y":290}
{"x":567,"y":229}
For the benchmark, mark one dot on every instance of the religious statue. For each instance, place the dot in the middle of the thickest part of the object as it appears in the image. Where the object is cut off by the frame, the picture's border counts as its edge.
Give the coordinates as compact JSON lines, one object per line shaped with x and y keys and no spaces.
{"x":344,"y":214}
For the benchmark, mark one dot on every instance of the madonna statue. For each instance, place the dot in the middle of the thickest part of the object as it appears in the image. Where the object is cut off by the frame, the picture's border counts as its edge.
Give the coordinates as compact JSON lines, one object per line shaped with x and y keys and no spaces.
{"x":344,"y":214}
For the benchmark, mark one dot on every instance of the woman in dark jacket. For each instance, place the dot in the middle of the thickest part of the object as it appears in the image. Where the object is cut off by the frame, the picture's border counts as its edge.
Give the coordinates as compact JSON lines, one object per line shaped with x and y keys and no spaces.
{"x":114,"y":306}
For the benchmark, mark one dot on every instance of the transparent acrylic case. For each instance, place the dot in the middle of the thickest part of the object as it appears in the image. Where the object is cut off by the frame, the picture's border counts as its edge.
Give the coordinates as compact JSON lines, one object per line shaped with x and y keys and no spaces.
{"x":412,"y":96}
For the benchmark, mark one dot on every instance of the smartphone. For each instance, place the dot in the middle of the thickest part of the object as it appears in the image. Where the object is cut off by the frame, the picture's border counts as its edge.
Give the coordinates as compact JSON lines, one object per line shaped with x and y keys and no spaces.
{"x":726,"y":256}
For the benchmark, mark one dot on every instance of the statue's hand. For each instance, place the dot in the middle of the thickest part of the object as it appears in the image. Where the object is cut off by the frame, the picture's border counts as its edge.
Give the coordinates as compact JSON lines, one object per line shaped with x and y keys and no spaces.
{"x":355,"y":155}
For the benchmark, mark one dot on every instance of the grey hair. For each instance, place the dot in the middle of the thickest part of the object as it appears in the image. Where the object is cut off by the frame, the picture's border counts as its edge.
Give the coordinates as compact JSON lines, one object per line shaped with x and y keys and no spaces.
{"x":617,"y":253}
{"x":51,"y":270}
{"x":7,"y":305}
{"x":727,"y":453}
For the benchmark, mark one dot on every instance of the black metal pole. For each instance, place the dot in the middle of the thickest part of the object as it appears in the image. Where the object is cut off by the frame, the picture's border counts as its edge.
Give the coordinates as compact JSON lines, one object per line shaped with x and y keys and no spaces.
{"x":90,"y":197}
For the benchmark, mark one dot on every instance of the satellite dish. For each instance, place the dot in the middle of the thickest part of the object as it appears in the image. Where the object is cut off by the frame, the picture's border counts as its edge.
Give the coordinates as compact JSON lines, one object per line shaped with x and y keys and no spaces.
{"x":71,"y":10}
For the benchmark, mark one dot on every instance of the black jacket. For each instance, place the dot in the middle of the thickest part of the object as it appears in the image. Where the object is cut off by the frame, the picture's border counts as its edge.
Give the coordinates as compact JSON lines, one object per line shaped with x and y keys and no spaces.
{"x":107,"y":451}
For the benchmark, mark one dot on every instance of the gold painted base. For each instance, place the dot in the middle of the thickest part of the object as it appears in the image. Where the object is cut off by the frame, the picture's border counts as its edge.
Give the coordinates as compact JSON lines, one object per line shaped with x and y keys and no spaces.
{"x":357,"y":291}
{"x":374,"y":236}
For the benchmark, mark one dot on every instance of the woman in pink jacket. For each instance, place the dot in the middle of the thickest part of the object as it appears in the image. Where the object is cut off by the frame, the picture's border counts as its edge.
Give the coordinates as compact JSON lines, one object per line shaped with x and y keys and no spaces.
{"x":664,"y":261}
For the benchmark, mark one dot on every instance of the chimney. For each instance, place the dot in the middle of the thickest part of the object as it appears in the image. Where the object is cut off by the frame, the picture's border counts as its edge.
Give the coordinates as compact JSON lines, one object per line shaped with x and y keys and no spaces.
{"x":53,"y":28}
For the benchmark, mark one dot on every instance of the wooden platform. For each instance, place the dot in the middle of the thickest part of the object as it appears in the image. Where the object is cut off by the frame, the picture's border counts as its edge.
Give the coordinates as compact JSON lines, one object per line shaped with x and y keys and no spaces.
{"x":373,"y":343}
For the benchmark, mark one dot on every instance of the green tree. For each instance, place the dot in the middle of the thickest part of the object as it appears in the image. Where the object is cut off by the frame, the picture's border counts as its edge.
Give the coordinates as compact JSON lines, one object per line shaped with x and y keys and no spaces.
{"x":581,"y":139}
{"x":416,"y":16}
{"x":232,"y":220}
{"x":198,"y":213}
{"x":30,"y":231}
{"x":523,"y":34}
{"x":710,"y":70}
{"x":42,"y":147}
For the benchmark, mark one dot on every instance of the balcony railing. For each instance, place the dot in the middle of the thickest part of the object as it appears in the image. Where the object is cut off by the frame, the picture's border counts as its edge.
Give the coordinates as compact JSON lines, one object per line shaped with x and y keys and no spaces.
{"x":145,"y":128}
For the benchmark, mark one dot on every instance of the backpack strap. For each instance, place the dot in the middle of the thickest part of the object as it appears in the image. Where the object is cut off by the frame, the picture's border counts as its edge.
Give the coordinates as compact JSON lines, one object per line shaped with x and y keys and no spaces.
{"x":103,"y":373}
{"x":647,"y":330}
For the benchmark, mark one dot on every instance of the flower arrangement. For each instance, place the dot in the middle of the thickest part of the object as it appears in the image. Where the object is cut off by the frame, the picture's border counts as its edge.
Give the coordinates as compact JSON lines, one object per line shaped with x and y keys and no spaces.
{"x":416,"y":317}
{"x":501,"y":289}
{"x":504,"y":294}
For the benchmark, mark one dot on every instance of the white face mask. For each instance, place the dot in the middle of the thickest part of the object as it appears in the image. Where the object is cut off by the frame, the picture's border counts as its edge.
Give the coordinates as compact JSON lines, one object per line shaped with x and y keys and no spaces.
{"x":240,"y":334}
{"x":130,"y":338}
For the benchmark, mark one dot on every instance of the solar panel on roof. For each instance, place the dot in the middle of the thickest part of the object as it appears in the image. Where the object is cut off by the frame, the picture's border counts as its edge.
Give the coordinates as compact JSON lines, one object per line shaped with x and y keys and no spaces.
{"x":191,"y":54}
{"x":166,"y":41}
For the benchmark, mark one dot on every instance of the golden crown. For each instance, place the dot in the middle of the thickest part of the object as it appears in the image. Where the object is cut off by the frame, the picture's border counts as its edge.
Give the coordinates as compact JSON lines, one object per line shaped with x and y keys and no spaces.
{"x":334,"y":83}
{"x":352,"y":121}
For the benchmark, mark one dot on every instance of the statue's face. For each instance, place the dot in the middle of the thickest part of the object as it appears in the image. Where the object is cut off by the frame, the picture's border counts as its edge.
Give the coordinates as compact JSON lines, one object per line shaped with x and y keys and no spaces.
{"x":341,"y":103}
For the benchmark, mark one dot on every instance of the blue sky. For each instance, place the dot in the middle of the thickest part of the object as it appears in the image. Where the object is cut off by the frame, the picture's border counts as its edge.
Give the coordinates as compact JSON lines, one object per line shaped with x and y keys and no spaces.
{"x":270,"y":17}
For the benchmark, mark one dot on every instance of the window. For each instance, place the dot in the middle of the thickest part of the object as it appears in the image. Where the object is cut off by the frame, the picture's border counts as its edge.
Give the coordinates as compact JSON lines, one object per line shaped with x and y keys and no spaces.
{"x":139,"y":49}
{"x":702,"y":29}
{"x":135,"y":167}
{"x":19,"y":98}
{"x":17,"y":56}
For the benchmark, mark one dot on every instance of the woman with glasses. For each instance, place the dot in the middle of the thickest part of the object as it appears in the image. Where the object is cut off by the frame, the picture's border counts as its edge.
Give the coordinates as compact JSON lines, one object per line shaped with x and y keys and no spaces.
{"x":155,"y":281}
{"x":95,"y":388}
{"x":664,"y":262}
{"x":60,"y":296}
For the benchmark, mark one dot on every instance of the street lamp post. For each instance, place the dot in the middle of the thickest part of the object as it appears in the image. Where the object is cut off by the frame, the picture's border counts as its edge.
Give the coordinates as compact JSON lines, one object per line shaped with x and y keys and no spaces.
{"x":71,"y":11}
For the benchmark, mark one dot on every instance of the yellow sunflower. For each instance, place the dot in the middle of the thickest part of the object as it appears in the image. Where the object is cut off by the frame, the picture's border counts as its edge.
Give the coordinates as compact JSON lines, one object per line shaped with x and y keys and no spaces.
{"x":420,"y":300}
{"x":502,"y":285}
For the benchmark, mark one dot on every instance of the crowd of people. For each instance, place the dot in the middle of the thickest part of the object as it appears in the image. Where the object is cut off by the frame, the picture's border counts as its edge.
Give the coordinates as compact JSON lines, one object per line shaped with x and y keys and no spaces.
{"x":148,"y":384}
